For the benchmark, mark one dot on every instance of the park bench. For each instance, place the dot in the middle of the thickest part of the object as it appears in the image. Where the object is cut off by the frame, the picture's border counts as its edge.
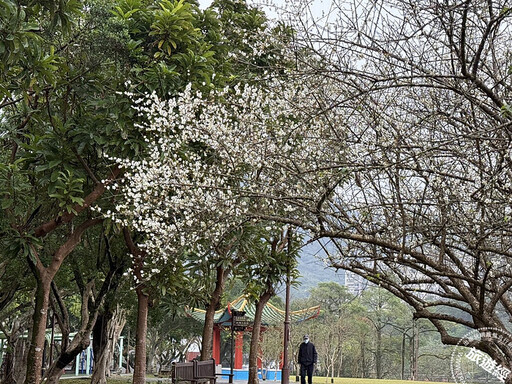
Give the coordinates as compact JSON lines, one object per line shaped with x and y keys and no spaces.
{"x":195,"y":372}
{"x":165,"y":371}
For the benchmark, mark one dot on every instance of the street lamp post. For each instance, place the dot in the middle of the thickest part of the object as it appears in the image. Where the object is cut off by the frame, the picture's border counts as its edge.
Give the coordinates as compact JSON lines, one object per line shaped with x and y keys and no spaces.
{"x":285,"y":373}
{"x":232,"y":350}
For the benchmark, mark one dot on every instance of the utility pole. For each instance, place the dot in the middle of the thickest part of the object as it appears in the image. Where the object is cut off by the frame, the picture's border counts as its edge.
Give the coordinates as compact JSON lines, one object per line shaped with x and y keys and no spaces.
{"x":285,"y":372}
{"x":231,"y":362}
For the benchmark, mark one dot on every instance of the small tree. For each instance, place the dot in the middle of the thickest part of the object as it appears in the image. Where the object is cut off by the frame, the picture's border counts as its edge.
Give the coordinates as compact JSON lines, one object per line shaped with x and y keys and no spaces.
{"x":271,"y":349}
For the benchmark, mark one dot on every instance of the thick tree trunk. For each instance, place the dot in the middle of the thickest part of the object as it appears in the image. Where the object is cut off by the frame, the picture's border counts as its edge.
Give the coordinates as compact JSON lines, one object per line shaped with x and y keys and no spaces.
{"x":106,"y":332}
{"x":99,"y":347}
{"x":44,"y":277}
{"x":35,"y":354}
{"x":255,"y":338}
{"x":139,"y":371}
{"x":80,"y":342}
{"x":207,"y":340}
{"x":14,"y":363}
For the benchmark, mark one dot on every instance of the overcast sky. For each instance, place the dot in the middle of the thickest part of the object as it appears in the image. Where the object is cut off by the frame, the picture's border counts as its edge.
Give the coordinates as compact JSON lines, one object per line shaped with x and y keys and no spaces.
{"x":317,"y":7}
{"x":204,"y":3}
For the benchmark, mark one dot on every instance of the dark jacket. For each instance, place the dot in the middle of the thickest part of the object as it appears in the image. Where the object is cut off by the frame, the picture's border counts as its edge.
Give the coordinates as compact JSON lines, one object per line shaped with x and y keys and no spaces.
{"x":307,"y":354}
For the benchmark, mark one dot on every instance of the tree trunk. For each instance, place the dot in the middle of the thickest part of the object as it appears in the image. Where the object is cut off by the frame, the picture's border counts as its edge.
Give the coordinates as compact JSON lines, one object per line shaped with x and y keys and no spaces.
{"x":128,"y":369}
{"x":378,"y":354}
{"x":13,"y":362}
{"x":363,"y":358}
{"x":117,"y":326}
{"x":99,"y":347}
{"x":341,"y":364}
{"x":21,"y":355}
{"x":255,"y":338}
{"x":402,"y":358}
{"x":207,"y":340}
{"x":35,"y":354}
{"x":44,"y":277}
{"x":415,"y":352}
{"x":81,"y":340}
{"x":154,"y":341}
{"x":8,"y":363}
{"x":106,"y":332}
{"x":139,"y":370}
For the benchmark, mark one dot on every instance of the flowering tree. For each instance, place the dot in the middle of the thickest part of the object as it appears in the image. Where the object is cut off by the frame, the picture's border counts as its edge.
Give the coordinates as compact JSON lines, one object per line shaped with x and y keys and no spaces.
{"x":211,"y":158}
{"x":61,"y":109}
{"x":396,"y":147}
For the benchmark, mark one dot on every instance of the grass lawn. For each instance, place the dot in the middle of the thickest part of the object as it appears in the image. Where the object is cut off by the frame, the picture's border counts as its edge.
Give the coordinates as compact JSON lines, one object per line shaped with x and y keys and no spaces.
{"x":347,"y":380}
{"x":316,"y":380}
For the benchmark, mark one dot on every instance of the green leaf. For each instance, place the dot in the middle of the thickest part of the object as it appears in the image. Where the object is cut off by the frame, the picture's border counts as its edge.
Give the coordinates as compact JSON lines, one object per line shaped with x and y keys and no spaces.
{"x":7,"y":203}
{"x":54,"y":176}
{"x":54,"y":163}
{"x":41,"y":168}
{"x":77,"y":200}
{"x":30,"y":254}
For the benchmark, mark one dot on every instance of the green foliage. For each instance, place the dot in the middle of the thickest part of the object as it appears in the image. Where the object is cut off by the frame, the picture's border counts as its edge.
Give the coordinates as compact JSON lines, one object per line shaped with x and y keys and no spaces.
{"x":507,"y":110}
{"x":348,"y":327}
{"x":268,"y":261}
{"x":173,"y":25}
{"x":64,"y":69}
{"x":67,"y":190}
{"x":332,"y":297}
{"x":27,"y":62}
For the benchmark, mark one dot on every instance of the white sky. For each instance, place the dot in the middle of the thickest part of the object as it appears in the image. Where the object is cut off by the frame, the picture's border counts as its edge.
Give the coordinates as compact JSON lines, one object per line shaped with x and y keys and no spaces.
{"x":317,"y":6}
{"x":204,"y":3}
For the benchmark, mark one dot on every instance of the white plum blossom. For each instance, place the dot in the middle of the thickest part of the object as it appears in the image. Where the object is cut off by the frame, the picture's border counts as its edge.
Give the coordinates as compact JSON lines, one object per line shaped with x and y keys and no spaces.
{"x":214,"y":161}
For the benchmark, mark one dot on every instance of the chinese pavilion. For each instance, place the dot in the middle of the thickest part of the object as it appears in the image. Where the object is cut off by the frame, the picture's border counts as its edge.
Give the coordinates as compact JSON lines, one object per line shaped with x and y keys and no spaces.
{"x":271,"y":316}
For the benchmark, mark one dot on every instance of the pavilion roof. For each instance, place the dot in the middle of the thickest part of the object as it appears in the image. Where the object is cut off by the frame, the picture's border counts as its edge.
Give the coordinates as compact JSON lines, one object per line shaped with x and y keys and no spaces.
{"x":271,"y":314}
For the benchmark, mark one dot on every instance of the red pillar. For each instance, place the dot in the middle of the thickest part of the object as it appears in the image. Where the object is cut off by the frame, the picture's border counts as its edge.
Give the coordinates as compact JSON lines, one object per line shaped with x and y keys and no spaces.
{"x":216,"y":344}
{"x":239,"y":348}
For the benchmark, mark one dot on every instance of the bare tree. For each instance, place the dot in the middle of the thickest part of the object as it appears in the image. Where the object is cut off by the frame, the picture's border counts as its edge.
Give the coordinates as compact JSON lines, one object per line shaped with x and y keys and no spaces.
{"x":417,"y":94}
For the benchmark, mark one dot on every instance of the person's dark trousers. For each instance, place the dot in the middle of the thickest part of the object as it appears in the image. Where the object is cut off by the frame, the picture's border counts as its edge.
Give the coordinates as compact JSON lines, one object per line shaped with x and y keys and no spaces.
{"x":306,"y":370}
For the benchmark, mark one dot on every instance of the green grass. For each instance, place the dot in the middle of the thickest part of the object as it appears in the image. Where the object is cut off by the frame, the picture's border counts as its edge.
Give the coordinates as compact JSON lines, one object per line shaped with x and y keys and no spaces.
{"x":316,"y":380}
{"x":349,"y":380}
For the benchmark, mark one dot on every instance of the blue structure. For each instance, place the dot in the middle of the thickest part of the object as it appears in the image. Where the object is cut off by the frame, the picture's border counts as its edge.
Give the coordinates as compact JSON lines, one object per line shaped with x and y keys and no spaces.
{"x":243,"y":374}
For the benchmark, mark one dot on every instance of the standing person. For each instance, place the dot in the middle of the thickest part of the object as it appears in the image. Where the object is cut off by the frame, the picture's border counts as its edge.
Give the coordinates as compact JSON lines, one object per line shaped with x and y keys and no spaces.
{"x":307,"y":360}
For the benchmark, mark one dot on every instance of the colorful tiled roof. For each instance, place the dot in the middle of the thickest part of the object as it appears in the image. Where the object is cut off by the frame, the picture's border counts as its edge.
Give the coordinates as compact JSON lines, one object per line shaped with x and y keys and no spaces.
{"x":271,"y":314}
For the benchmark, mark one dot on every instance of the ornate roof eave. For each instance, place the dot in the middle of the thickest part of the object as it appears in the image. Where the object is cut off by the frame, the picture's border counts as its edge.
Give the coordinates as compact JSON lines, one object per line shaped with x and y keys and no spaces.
{"x":271,"y":314}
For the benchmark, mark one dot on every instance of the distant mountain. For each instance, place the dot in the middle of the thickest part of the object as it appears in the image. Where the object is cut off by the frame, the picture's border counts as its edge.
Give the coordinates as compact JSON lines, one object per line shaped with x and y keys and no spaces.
{"x":313,"y":271}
